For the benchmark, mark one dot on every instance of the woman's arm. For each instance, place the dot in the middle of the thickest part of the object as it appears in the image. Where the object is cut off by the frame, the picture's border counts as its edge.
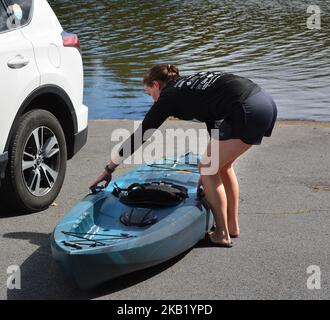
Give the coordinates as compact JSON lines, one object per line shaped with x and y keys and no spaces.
{"x":157,"y":114}
{"x":154,"y":118}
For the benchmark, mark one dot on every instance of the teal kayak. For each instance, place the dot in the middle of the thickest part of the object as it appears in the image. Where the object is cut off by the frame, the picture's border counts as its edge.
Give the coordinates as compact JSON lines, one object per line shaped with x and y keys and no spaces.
{"x":92,"y":243}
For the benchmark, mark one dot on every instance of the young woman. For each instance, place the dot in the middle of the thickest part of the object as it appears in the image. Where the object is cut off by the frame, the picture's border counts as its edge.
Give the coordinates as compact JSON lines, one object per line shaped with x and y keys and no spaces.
{"x":238,"y":114}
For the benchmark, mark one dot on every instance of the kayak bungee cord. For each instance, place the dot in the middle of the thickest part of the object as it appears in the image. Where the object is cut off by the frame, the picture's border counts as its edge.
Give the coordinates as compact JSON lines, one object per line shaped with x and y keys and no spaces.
{"x":177,"y":162}
{"x":77,"y":243}
{"x":122,"y":235}
{"x":171,"y":169}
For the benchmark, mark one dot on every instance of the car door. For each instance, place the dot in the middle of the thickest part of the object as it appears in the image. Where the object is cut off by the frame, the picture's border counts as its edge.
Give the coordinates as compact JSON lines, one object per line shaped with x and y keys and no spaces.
{"x":19,"y":74}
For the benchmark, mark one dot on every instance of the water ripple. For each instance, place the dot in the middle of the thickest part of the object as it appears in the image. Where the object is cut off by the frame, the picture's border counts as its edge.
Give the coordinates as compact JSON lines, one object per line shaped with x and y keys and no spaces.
{"x":267,"y":41}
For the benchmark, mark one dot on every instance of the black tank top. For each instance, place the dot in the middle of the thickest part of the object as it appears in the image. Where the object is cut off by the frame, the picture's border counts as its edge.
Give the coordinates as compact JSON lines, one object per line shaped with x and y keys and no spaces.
{"x":205,"y":96}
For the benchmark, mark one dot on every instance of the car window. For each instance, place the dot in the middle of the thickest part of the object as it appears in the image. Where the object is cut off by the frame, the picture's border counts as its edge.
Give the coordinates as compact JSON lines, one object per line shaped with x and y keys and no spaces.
{"x":17,"y":14}
{"x":3,"y":17}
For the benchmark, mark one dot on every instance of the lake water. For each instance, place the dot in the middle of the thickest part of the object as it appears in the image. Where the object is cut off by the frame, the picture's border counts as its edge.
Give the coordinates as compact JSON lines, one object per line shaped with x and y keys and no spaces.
{"x":266,"y":41}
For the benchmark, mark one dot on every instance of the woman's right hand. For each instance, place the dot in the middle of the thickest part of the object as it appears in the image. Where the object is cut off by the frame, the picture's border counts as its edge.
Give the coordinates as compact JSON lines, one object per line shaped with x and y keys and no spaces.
{"x":105,"y":176}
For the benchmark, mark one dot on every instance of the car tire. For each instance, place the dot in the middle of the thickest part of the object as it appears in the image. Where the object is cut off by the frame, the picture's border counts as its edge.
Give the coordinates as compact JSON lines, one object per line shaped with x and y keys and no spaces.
{"x":37,"y":162}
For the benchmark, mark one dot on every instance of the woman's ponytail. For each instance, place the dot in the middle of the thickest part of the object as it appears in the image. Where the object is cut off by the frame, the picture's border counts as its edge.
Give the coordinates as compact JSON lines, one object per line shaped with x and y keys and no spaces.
{"x":162,"y":73}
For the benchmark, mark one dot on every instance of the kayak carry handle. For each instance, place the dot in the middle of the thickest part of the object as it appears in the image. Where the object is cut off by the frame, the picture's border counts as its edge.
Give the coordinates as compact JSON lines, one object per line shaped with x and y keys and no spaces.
{"x":97,"y":189}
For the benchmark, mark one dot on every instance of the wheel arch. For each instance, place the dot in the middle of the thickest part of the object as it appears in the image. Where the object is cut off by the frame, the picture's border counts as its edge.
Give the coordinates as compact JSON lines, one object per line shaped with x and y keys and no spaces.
{"x":55,"y":100}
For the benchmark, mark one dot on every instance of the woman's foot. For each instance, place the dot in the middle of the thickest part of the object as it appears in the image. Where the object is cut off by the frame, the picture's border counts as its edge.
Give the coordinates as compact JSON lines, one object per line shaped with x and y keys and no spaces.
{"x":233,"y":226}
{"x":234,"y":232}
{"x":219,"y":241}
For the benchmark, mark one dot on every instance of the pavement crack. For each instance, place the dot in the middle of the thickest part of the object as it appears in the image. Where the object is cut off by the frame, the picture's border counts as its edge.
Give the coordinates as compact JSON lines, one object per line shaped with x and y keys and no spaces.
{"x":320,"y":187}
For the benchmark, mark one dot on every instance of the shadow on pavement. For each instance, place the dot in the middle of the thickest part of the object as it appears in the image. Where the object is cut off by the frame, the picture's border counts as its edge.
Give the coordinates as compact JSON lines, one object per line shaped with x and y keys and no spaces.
{"x":6,"y":210}
{"x":41,"y":278}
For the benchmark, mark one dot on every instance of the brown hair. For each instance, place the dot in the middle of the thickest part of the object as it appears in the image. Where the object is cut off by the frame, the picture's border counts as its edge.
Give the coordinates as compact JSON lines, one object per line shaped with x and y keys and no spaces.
{"x":162,"y":73}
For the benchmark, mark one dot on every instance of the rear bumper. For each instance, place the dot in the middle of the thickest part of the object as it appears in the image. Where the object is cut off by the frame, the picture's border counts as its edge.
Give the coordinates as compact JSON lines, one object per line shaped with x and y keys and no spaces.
{"x":3,"y":164}
{"x":80,"y":140}
{"x":81,"y":114}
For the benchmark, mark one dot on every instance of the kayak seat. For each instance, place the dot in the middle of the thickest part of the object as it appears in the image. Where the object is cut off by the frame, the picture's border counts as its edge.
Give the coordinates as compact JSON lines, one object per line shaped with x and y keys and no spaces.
{"x":138,"y":217}
{"x":151,"y":194}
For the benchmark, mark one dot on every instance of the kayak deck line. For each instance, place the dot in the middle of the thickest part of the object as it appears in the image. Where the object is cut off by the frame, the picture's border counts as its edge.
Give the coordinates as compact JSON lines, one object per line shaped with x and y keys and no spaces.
{"x":121,"y":235}
{"x":172,"y":168}
{"x":91,"y":242}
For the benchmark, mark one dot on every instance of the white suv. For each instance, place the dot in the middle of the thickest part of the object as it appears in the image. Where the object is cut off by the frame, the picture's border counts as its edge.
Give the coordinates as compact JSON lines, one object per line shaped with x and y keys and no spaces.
{"x":43,"y":121}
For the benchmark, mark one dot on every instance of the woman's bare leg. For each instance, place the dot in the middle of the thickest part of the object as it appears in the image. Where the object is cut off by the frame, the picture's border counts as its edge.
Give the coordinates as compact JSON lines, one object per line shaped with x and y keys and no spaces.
{"x":231,"y":186}
{"x":218,"y":154}
{"x":216,"y":198}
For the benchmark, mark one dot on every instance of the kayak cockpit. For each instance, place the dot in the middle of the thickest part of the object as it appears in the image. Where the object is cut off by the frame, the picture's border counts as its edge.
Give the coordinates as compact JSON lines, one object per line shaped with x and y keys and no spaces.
{"x":108,"y":222}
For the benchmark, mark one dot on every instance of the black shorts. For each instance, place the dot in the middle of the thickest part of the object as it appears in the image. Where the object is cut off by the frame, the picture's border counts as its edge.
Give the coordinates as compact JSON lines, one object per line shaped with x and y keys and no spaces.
{"x":250,"y":122}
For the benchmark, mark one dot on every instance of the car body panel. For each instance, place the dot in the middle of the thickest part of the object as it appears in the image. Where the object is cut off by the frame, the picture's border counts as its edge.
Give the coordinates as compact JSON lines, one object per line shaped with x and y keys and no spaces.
{"x":15,"y":84}
{"x":58,"y":65}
